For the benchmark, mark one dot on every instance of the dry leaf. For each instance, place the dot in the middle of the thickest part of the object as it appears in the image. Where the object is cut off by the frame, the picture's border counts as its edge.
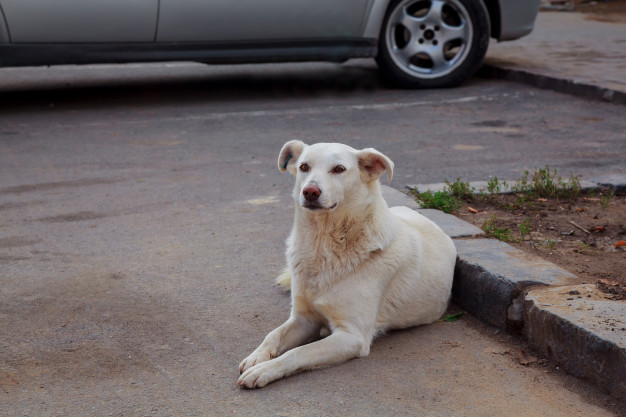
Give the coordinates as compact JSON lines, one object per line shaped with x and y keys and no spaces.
{"x":606,"y":283}
{"x":543,"y":200}
{"x":580,"y":210}
{"x":599,"y":229}
{"x":472,"y":210}
{"x":526,"y":359}
{"x":620,"y":243}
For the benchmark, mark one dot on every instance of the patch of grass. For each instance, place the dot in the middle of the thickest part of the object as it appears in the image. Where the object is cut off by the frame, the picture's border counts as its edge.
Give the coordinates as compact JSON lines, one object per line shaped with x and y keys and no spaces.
{"x":460,"y":189}
{"x":606,"y":199}
{"x":542,"y":183}
{"x":546,"y":183}
{"x":452,"y":317}
{"x":494,"y":186}
{"x":440,"y":200}
{"x":524,"y":203}
{"x":522,"y":186}
{"x":524,"y":228}
{"x":550,"y":244}
{"x":491,"y":229}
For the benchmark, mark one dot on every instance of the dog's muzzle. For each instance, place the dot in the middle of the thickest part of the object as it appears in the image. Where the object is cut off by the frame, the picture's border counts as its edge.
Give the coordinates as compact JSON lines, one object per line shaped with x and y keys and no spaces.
{"x":311,"y":194}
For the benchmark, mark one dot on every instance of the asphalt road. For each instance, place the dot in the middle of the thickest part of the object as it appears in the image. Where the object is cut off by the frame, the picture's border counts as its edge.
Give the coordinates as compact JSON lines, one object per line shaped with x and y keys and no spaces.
{"x":142,"y":220}
{"x":480,"y":130}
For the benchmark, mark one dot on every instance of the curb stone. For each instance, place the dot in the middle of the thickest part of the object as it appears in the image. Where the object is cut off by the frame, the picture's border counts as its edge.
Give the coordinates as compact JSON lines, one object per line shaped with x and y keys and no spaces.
{"x":394,"y":197}
{"x":585,"y":334}
{"x":451,"y":225}
{"x":616,"y":182}
{"x":492,"y":69}
{"x":510,"y":289}
{"x":490,"y":277}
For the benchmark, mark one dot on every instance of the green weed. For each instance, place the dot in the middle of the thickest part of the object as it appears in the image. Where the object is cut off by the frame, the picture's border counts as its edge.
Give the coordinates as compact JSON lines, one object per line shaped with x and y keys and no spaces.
{"x":524,"y":203}
{"x":460,"y":189}
{"x":452,"y":317}
{"x":440,"y":200}
{"x":546,"y":183}
{"x":494,"y":186}
{"x":606,"y":199}
{"x":550,"y":244}
{"x":492,"y":230}
{"x":525,"y":228}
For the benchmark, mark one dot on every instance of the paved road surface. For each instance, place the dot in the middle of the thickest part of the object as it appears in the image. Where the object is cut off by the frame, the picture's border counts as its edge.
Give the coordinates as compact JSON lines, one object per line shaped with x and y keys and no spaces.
{"x":142,"y":224}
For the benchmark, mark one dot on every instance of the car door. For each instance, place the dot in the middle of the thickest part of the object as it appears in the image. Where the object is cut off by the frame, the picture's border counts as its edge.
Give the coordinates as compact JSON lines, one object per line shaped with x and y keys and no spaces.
{"x":69,"y":21}
{"x":260,"y":20}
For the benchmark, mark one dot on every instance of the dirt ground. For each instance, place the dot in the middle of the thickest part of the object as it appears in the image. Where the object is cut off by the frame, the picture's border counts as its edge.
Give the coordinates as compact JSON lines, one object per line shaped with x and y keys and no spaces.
{"x":604,"y":11}
{"x":583,"y":236}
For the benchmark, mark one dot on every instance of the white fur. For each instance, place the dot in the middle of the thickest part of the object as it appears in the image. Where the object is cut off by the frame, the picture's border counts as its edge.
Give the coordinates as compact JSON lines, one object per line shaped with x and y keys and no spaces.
{"x":357,"y":267}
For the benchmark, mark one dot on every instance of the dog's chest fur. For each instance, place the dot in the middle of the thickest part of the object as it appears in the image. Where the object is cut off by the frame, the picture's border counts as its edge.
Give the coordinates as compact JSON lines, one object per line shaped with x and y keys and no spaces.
{"x":324,"y":249}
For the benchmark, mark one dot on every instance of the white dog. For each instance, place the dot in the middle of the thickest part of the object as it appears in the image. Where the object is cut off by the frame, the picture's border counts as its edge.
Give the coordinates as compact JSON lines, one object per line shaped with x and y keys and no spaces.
{"x":357,"y":268}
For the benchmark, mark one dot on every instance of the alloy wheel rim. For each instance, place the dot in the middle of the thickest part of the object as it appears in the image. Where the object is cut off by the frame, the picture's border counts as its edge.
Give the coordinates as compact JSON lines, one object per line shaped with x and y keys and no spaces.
{"x":429,"y":38}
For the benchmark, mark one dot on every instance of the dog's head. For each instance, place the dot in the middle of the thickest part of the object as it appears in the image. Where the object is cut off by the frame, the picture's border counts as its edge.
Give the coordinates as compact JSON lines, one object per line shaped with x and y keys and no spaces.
{"x":330,"y":175}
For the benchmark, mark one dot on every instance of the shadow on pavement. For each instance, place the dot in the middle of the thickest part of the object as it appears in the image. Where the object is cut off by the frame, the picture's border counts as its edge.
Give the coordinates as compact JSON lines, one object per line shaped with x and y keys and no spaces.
{"x":214,"y":84}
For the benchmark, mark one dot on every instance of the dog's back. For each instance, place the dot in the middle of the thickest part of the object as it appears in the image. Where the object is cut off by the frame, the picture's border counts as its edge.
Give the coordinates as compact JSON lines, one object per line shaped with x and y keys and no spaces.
{"x":419,"y":292}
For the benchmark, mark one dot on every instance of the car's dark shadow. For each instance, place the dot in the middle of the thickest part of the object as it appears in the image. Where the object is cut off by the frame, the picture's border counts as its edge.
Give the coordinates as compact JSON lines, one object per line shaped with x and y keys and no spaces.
{"x":168,"y":87}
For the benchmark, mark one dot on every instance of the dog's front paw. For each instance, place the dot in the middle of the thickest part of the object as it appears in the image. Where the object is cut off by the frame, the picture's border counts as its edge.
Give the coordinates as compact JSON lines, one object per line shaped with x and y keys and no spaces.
{"x":254,"y":358}
{"x":260,"y":375}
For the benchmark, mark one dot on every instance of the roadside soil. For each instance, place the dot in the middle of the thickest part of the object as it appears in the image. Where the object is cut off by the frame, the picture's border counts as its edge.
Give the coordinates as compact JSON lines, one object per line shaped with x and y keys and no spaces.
{"x":613,"y":11}
{"x":585,"y":236}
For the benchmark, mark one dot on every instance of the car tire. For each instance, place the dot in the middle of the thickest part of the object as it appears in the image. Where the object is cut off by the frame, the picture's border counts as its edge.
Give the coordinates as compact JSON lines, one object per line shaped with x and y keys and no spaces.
{"x":432,"y":43}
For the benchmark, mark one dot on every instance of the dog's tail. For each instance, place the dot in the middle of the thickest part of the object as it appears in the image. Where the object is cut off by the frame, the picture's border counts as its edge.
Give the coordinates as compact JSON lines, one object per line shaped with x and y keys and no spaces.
{"x":284,"y":279}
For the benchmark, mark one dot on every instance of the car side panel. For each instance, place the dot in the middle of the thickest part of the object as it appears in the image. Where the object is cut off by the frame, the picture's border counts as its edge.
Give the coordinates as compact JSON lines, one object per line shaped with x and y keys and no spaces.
{"x":239,"y":20}
{"x":517,"y":18}
{"x":4,"y":31}
{"x":81,"y":20}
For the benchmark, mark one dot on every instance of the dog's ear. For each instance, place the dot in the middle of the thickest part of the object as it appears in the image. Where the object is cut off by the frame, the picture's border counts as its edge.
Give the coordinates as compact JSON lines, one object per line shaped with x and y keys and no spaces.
{"x":372,"y":164}
{"x":289,"y":155}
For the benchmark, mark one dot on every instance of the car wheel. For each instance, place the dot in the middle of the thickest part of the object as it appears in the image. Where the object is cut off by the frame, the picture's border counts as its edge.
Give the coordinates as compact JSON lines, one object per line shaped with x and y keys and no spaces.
{"x":432,"y":43}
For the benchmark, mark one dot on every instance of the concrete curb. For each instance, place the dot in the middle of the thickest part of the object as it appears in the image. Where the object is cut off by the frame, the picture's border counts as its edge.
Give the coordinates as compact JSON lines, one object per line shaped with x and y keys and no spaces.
{"x":581,"y":331}
{"x":615,"y":182}
{"x":510,"y":289}
{"x":573,"y":87}
{"x":490,"y":278}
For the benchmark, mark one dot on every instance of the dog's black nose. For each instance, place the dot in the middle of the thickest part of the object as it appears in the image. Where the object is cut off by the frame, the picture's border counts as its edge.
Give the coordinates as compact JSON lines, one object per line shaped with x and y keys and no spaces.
{"x":311,"y":193}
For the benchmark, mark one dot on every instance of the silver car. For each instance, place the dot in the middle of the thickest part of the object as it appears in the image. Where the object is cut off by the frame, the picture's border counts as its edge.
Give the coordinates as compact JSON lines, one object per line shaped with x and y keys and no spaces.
{"x":417,"y":43}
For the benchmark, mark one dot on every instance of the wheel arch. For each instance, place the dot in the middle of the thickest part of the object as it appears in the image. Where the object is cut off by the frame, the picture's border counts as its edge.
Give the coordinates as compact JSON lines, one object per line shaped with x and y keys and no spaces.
{"x":378,"y":9}
{"x":374,"y":22}
{"x":495,"y":21}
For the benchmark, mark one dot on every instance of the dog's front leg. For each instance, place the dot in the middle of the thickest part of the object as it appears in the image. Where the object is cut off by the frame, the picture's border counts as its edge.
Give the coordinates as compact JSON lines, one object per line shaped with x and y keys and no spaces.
{"x":340,"y":346}
{"x":295,"y":331}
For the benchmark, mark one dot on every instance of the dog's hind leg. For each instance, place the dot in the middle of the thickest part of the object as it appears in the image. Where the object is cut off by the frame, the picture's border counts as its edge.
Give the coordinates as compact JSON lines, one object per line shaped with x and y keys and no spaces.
{"x":296,"y":331}
{"x":340,"y":346}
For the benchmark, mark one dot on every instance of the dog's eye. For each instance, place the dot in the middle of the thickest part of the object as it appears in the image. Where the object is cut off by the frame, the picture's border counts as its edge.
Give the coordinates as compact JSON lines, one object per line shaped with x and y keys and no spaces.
{"x":304,"y":167}
{"x":338,"y":169}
